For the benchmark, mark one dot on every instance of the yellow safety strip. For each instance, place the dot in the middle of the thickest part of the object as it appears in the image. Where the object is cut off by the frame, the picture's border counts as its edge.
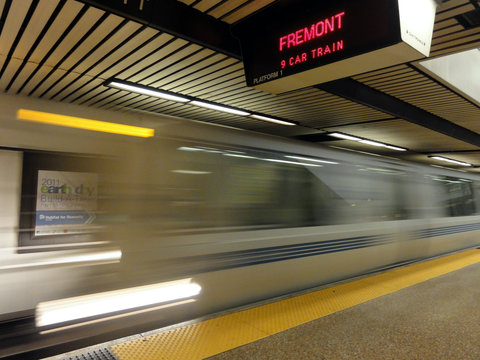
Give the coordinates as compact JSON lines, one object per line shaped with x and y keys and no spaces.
{"x":210,"y":337}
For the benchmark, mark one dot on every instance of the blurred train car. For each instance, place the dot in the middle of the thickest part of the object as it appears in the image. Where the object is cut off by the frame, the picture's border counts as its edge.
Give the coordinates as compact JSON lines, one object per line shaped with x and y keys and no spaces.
{"x":195,"y":220}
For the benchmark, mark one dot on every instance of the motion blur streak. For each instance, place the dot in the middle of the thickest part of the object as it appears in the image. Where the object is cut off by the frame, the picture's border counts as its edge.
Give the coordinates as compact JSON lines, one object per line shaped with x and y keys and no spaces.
{"x":81,"y":123}
{"x":63,"y":310}
{"x":96,"y":321}
{"x":99,"y":258}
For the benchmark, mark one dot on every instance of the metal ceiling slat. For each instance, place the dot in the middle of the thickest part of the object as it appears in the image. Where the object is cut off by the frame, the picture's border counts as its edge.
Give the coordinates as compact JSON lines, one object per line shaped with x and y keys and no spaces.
{"x":378,"y":74}
{"x":91,"y":45}
{"x":68,"y":17}
{"x":398,"y":80}
{"x":25,"y":14}
{"x":46,"y":18}
{"x":87,"y":85}
{"x":141,"y":69}
{"x":105,"y":25}
{"x":206,"y":87}
{"x":204,"y":5}
{"x":101,"y":55}
{"x":219,"y":87}
{"x":225,"y":8}
{"x":450,"y":4}
{"x":191,"y":72}
{"x":172,"y":60}
{"x":227,"y":66}
{"x":447,"y":31}
{"x":454,"y":12}
{"x":11,"y":26}
{"x":419,"y":85}
{"x":455,"y":36}
{"x":467,"y":40}
{"x":123,"y":51}
{"x":4,"y":9}
{"x":180,"y":68}
{"x":249,"y":7}
{"x":143,"y":56}
{"x":457,"y":48}
{"x":34,"y":28}
{"x":73,"y":39}
{"x":443,"y":24}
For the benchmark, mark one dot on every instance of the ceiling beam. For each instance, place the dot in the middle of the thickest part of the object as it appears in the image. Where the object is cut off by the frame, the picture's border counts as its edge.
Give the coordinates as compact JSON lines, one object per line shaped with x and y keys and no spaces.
{"x":175,"y":18}
{"x":363,"y":94}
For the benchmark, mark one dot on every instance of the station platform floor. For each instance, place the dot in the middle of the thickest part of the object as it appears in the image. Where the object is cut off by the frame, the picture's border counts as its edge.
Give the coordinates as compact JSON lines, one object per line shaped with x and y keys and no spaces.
{"x":427,"y":310}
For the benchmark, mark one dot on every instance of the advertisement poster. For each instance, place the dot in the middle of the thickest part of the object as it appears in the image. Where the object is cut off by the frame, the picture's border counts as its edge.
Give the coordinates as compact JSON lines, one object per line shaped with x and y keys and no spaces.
{"x":66,"y":202}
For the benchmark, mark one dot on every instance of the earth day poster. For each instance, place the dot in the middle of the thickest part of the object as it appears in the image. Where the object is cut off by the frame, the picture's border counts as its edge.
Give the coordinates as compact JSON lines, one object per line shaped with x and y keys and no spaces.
{"x":66,"y":202}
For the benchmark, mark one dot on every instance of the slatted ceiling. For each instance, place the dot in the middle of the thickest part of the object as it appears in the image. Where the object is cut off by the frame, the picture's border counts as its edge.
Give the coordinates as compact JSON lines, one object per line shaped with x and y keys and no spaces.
{"x":16,"y":15}
{"x":205,"y":5}
{"x":150,"y":64}
{"x":107,"y":63}
{"x":430,"y":96}
{"x":182,"y":68}
{"x":447,"y":31}
{"x":405,"y":134}
{"x":244,"y":10}
{"x":442,"y":15}
{"x":448,"y":38}
{"x":168,"y":64}
{"x":227,"y":7}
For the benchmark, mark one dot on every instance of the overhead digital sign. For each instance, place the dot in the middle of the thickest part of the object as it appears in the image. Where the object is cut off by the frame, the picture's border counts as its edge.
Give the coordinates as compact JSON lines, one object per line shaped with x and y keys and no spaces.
{"x":352,"y":36}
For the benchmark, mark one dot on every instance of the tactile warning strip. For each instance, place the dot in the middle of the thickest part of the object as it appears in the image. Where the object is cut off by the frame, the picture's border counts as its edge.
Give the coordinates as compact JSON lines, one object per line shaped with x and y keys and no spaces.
{"x":100,"y":354}
{"x":207,"y":338}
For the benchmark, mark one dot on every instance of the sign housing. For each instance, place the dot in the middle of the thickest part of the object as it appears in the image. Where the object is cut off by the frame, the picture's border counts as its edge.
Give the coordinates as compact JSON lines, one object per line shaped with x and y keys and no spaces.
{"x":293,"y":44}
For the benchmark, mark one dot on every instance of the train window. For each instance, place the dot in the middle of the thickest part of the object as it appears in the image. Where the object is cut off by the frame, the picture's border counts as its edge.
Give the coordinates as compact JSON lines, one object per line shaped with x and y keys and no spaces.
{"x":212,"y":188}
{"x":458,"y":196}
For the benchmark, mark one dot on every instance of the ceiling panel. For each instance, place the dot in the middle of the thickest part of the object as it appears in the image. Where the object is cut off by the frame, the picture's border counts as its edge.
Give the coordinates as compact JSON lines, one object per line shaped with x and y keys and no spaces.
{"x":64,"y":50}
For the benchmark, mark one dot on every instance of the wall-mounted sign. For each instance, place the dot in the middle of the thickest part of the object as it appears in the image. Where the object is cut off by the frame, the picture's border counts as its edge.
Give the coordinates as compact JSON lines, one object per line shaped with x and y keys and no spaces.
{"x":66,"y":202}
{"x":298,"y":43}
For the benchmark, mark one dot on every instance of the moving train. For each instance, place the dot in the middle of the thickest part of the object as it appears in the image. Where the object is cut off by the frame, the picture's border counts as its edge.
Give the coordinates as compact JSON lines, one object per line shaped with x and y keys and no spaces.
{"x":104,"y":235}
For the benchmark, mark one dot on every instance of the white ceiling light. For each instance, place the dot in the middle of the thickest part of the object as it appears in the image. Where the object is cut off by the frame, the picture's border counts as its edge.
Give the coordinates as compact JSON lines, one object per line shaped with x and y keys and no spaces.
{"x":269,"y":119}
{"x":395,"y":148}
{"x":441,"y":158}
{"x":219,"y":108}
{"x":310,"y":159}
{"x":344,"y":136}
{"x":366,"y":141}
{"x":371,"y":142}
{"x":149,"y":92}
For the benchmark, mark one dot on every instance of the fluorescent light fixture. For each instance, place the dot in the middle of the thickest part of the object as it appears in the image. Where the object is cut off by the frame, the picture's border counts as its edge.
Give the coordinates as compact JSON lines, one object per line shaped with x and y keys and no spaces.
{"x":191,"y":172}
{"x":371,"y":142}
{"x":85,"y":124}
{"x":149,"y":92}
{"x":292,"y":162}
{"x":441,"y":158}
{"x":366,"y":141}
{"x":310,"y":159}
{"x":344,"y":136}
{"x":87,"y":306}
{"x":269,"y":119}
{"x":219,"y":108}
{"x":239,"y":156}
{"x":397,"y":148}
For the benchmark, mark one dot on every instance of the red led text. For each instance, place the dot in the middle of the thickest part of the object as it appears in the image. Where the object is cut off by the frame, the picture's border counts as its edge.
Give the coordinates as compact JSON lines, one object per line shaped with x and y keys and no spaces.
{"x":316,"y":30}
{"x":312,"y":54}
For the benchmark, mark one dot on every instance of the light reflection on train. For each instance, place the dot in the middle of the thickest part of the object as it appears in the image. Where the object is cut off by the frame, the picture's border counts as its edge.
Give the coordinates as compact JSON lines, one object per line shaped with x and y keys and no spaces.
{"x":230,"y":217}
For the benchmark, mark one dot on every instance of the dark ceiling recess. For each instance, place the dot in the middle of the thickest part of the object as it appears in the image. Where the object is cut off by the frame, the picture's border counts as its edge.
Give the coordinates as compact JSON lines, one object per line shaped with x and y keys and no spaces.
{"x":470,"y":19}
{"x":363,"y":94}
{"x":176,"y":18}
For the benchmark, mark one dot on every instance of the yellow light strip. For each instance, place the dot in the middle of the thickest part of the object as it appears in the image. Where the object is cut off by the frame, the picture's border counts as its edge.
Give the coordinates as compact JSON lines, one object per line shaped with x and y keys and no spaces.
{"x":80,"y":123}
